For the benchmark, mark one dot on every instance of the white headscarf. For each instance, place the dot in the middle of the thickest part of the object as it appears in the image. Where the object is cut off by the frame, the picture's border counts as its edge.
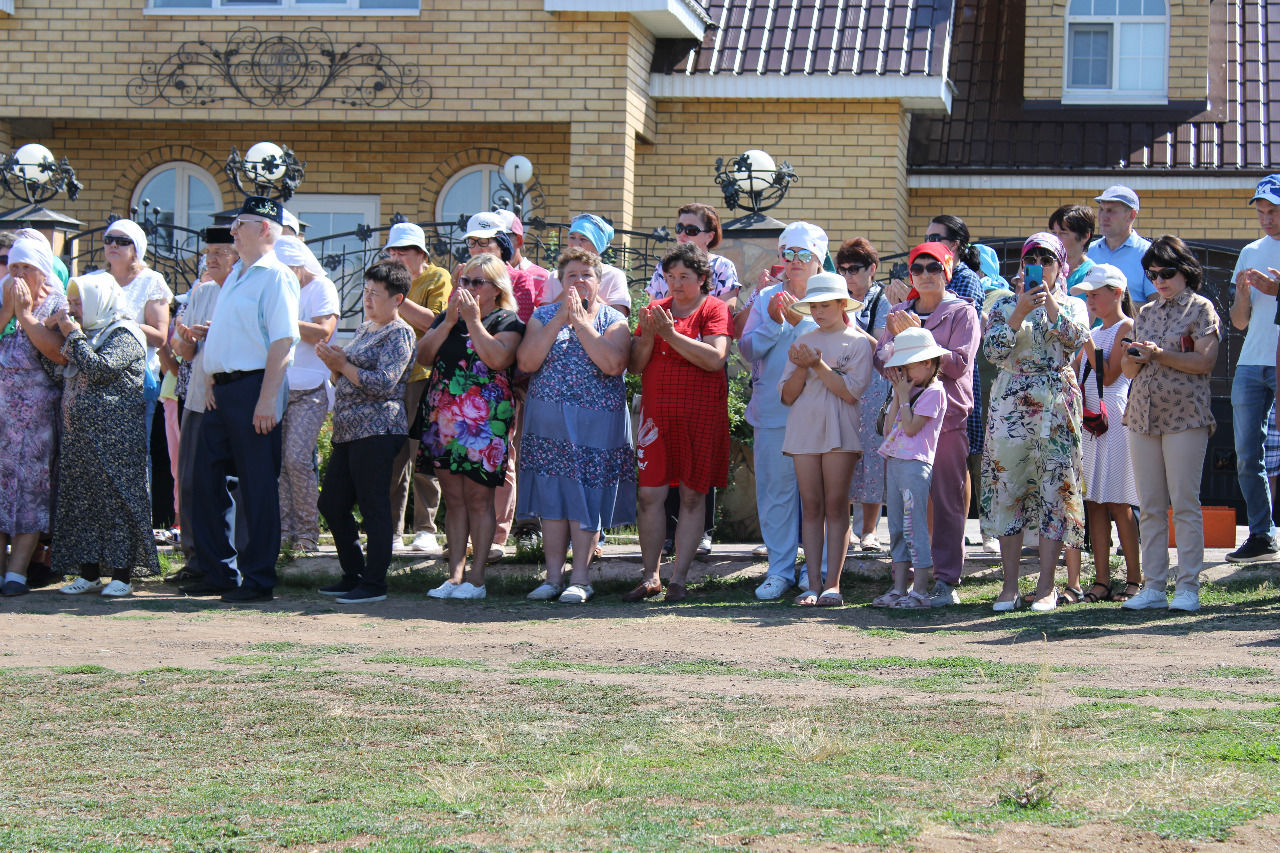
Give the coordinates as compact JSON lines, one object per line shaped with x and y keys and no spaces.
{"x":133,"y":231}
{"x":292,"y":252}
{"x":34,"y":251}
{"x":103,"y":309}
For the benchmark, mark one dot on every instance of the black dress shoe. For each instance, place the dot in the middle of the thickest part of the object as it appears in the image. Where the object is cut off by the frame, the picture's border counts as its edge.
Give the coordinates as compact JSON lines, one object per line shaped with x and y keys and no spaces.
{"x":187,"y":575}
{"x":246,"y":595}
{"x":204,"y":588}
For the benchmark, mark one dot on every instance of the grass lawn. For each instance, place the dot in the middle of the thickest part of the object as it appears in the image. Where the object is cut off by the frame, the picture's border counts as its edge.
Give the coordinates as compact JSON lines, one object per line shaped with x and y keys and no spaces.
{"x":530,"y":740}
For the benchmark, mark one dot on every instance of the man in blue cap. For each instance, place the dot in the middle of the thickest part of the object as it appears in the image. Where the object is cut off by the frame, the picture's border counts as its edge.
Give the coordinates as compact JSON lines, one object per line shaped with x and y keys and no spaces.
{"x":246,"y":351}
{"x":1120,"y":245}
{"x":1253,"y":384}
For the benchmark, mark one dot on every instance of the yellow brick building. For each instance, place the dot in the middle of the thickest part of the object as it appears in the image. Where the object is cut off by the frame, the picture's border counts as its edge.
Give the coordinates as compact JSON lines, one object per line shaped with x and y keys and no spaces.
{"x":890,"y":111}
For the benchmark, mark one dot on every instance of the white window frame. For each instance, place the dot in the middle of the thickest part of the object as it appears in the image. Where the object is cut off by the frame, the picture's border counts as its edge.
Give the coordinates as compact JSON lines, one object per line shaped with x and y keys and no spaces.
{"x":229,"y":8}
{"x":1112,"y":95}
{"x":493,"y":169}
{"x":181,"y":203}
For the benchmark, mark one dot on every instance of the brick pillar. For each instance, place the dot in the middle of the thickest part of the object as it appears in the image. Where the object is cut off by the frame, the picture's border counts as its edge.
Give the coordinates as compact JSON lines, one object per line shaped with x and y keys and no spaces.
{"x":602,"y":153}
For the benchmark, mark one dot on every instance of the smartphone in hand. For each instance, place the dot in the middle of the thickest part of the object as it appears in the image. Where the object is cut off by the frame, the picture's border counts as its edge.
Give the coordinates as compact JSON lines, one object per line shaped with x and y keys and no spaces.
{"x":1033,"y":277}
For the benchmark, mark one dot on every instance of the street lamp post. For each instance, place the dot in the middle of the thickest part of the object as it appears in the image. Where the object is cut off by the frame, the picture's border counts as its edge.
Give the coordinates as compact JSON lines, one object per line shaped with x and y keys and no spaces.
{"x":270,"y":170}
{"x":515,"y":191}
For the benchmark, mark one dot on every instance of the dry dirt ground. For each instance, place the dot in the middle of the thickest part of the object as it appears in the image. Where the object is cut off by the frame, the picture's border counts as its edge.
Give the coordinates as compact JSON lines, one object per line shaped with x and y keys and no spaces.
{"x":159,"y":627}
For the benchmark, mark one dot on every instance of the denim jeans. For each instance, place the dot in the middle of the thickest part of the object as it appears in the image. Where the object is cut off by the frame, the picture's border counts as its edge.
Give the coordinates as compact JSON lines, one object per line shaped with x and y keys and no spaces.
{"x":1253,"y":390}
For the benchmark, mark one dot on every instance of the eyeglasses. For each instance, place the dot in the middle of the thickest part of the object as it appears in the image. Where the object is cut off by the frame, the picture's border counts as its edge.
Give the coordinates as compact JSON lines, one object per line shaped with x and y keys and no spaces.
{"x":116,"y":240}
{"x":1164,"y":274}
{"x":852,"y":269}
{"x":801,"y":255}
{"x":472,"y":283}
{"x":936,"y":238}
{"x":691,"y":230}
{"x":478,"y":242}
{"x":932,"y":269}
{"x":1041,"y":258}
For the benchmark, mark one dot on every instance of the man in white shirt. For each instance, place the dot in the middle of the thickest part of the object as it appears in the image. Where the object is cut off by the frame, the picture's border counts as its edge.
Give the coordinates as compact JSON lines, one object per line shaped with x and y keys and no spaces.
{"x":247,"y":350}
{"x":1120,"y":245}
{"x":1253,"y":385}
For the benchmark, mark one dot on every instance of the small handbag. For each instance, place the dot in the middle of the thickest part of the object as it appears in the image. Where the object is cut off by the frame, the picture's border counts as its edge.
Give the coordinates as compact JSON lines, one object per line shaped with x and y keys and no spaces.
{"x":1096,"y":422}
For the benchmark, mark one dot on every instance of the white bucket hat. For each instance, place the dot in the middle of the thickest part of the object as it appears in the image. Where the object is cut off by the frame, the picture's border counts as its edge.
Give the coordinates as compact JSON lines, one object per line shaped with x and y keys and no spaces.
{"x":912,"y":345}
{"x":826,"y":287}
{"x":1100,"y":276}
{"x":405,"y":234}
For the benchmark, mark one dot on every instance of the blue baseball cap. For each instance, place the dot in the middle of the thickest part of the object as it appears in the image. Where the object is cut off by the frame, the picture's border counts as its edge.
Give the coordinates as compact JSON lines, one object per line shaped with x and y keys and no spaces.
{"x":1268,"y":189}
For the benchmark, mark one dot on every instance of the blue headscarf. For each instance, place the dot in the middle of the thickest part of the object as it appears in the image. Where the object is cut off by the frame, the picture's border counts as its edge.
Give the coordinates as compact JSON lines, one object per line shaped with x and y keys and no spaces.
{"x":595,"y":229}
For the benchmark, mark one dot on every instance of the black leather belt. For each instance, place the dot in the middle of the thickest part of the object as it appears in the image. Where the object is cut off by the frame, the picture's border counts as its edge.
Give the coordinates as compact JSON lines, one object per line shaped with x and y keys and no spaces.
{"x":235,"y":376}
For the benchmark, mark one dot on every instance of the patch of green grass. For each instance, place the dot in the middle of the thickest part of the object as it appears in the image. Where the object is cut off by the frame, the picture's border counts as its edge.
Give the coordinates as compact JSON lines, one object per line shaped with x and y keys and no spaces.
{"x":1250,"y":673}
{"x":81,"y":669}
{"x":426,"y":661}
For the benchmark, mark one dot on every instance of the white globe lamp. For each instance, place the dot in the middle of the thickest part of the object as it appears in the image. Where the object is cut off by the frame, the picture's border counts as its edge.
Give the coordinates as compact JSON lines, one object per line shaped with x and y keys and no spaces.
{"x":261,"y":151}
{"x":517,"y":170}
{"x":29,"y":158}
{"x":760,"y":171}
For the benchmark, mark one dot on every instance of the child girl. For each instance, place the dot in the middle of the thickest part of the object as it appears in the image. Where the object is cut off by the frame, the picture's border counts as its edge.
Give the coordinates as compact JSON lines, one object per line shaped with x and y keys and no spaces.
{"x":914,"y":420}
{"x":827,"y":372}
{"x":1109,"y":489}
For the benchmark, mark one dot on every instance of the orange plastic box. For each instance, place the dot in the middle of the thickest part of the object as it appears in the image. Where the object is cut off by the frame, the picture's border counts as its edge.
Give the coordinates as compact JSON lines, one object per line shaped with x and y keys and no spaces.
{"x":1219,"y":527}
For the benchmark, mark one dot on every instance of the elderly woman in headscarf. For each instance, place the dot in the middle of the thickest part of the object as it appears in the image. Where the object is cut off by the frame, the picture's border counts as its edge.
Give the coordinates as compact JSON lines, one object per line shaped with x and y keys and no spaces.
{"x":318,"y":309}
{"x":1031,"y":461}
{"x":28,"y":406}
{"x":592,"y":234}
{"x":145,"y":296}
{"x":103,"y":518}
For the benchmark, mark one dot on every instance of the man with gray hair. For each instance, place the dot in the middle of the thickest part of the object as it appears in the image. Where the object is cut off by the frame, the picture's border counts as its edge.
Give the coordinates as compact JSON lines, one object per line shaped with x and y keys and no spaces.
{"x":246,"y":351}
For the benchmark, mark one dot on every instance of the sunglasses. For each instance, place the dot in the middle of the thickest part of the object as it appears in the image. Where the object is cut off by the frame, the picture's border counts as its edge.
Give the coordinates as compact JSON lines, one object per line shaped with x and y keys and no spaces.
{"x":115,"y":240}
{"x":1164,"y":275}
{"x":936,"y":238}
{"x":1040,"y":258}
{"x":478,"y":242}
{"x":852,"y":269}
{"x":691,"y":230}
{"x":932,"y":269}
{"x":801,"y":255}
{"x":4,"y":260}
{"x":472,"y":283}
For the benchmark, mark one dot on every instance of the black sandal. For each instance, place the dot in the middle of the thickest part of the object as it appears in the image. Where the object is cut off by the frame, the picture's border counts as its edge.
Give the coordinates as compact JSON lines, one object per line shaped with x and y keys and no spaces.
{"x":1127,"y":594}
{"x":1093,"y":598}
{"x":1071,"y":595}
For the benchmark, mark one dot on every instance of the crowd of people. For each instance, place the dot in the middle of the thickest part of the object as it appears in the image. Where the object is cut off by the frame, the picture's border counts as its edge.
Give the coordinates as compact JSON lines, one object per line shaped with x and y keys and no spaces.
{"x":496,"y":389}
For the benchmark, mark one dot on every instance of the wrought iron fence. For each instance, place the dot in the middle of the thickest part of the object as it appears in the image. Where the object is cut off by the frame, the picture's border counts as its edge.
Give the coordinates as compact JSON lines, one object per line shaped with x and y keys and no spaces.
{"x":174,"y":250}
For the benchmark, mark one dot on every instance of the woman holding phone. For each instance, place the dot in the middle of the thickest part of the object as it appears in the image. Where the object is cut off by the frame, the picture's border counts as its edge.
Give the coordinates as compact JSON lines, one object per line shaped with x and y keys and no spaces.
{"x":1031,"y":460}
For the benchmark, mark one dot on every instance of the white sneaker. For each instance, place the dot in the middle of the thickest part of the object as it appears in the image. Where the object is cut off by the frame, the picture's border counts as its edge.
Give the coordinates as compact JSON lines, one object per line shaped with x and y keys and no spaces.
{"x":943,"y":595}
{"x":772,"y":588}
{"x":760,"y":551}
{"x":81,"y":585}
{"x":1186,"y":600}
{"x":116,"y":589}
{"x":397,"y":544}
{"x":871,"y":542}
{"x":445,"y":590}
{"x":546,"y":592}
{"x":1148,"y":599}
{"x":427,"y":543}
{"x":991,"y":544}
{"x":577,"y":594}
{"x":468,"y":590}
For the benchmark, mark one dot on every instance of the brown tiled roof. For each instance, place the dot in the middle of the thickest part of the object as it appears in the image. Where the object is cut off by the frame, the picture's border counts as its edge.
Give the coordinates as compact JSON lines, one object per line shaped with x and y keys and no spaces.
{"x":991,"y":129}
{"x":828,"y":37}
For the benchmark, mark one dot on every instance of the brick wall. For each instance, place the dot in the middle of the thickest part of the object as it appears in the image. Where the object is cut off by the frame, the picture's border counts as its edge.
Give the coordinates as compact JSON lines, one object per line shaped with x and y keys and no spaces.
{"x":1192,"y":215}
{"x":850,"y":158}
{"x":1045,"y":46}
{"x":406,"y":165}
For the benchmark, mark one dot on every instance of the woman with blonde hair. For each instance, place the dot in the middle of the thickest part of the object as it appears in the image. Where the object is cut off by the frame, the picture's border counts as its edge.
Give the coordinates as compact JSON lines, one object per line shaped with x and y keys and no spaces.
{"x":468,"y":411}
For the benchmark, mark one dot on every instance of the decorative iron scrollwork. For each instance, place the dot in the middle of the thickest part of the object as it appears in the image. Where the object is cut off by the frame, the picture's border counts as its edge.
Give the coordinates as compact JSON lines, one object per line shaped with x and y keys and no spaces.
{"x":279,"y":71}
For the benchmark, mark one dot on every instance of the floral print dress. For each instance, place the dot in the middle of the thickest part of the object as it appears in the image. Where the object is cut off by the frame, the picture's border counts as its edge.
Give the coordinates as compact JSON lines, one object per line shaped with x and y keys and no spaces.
{"x":1031,"y":460}
{"x":28,"y":429}
{"x":468,"y":409}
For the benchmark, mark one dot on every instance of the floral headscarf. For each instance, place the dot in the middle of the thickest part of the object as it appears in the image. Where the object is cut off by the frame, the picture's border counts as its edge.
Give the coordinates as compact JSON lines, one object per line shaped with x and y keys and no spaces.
{"x":1045,"y":240}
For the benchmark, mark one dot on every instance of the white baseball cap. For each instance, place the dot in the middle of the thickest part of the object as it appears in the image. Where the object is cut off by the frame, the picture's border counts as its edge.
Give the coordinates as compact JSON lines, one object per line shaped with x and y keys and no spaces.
{"x":1119,"y":193}
{"x":484,"y":225}
{"x":1100,"y":276}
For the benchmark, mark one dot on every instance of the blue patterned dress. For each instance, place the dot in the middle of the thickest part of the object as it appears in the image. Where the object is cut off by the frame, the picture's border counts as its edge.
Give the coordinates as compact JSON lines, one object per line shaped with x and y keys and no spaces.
{"x":576,"y":460}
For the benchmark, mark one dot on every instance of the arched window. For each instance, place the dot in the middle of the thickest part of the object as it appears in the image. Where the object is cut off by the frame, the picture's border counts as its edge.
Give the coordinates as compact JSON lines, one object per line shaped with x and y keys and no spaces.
{"x":185,"y":195}
{"x":1117,"y":51}
{"x":469,"y":191}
